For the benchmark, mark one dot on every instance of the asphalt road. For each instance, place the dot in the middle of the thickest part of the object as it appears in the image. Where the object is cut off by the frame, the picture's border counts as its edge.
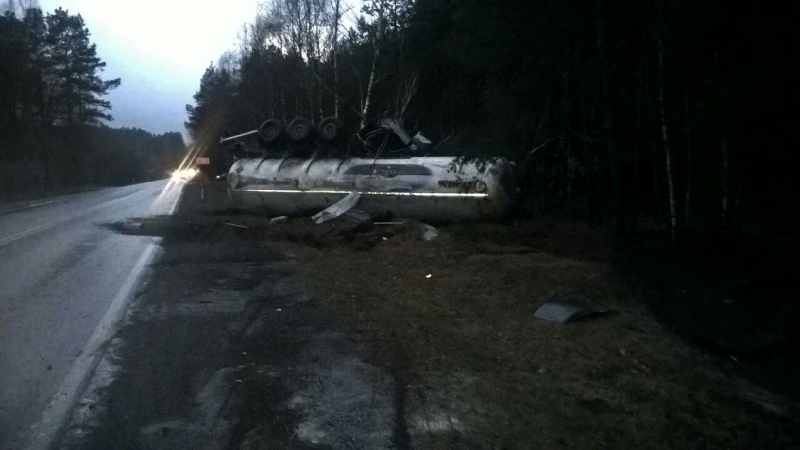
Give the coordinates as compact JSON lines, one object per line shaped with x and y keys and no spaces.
{"x":65,"y":279}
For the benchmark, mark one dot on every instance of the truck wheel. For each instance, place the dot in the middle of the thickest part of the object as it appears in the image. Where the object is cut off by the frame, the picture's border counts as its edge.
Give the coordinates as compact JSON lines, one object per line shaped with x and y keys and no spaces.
{"x":270,"y":132}
{"x":299,"y":130}
{"x":331,"y":130}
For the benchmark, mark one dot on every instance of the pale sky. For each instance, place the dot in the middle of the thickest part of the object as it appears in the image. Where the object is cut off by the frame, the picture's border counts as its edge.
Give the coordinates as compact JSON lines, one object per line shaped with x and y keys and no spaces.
{"x":160,"y":49}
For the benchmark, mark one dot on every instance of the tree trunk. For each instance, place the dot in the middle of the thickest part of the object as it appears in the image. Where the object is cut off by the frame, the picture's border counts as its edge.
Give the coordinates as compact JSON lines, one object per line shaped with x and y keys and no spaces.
{"x":320,"y":108}
{"x":725,"y":181}
{"x":370,"y":88}
{"x":665,"y":140}
{"x":268,"y":99}
{"x":372,"y":73}
{"x":643,"y":80}
{"x":688,"y":193}
{"x":613,"y":157}
{"x":336,"y":59}
{"x":310,"y":101}
{"x":283,"y":103}
{"x":297,"y":109}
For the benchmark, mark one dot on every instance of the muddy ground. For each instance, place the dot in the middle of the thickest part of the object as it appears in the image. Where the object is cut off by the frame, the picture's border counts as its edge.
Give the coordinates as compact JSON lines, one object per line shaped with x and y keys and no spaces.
{"x":252,"y":334}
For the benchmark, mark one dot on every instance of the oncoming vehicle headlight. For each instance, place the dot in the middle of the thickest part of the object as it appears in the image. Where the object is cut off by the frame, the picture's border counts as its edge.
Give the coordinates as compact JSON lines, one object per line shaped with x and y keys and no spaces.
{"x":184,"y":174}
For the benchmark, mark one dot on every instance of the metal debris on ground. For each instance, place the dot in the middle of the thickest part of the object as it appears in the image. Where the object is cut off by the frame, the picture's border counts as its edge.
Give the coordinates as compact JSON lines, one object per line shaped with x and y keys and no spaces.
{"x":279,"y":219}
{"x":428,"y":232}
{"x":564,"y":313}
{"x":357,"y":215}
{"x":337,"y":209}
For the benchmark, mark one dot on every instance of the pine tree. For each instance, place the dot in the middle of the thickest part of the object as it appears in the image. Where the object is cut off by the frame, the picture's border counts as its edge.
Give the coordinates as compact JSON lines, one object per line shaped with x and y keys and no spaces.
{"x":75,"y":87}
{"x":35,"y":65}
{"x":210,"y":102}
{"x":12,"y":52}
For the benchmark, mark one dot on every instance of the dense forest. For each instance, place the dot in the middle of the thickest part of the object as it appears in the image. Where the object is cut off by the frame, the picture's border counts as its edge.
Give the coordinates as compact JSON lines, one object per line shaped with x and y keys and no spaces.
{"x":641,"y":113}
{"x":51,"y":110}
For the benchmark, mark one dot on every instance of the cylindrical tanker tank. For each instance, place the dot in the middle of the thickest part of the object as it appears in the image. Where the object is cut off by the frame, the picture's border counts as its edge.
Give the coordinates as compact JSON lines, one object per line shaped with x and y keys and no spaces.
{"x":433,"y":189}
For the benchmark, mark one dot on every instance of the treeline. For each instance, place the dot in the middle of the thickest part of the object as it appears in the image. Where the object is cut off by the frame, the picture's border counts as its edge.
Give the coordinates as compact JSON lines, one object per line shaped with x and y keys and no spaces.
{"x":38,"y":161}
{"x":51,"y":108}
{"x":639,"y":112}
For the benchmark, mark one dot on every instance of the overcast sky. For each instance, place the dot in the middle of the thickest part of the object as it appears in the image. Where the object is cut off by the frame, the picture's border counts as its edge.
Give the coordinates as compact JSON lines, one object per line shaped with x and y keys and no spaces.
{"x":160,"y":49}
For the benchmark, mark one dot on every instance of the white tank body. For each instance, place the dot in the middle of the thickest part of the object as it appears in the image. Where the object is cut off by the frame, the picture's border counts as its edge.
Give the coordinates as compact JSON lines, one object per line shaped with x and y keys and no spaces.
{"x":433,"y":189}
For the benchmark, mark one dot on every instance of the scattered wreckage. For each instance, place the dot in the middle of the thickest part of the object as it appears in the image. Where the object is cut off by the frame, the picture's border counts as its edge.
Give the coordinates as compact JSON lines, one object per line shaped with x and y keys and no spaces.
{"x":301,"y":172}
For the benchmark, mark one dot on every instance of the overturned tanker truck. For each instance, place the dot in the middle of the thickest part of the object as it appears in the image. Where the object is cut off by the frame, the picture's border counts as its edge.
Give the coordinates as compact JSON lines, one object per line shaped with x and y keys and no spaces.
{"x":301,"y":170}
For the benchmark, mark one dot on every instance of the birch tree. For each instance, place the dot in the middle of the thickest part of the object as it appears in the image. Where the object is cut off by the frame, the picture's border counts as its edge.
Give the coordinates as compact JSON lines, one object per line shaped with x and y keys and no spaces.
{"x":383,"y":25}
{"x":336,"y":18}
{"x":673,"y":219}
{"x":375,"y":32}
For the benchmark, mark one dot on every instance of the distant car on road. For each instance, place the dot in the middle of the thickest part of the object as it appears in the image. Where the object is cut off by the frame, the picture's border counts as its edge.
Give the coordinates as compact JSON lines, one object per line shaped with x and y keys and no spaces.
{"x":185,"y":174}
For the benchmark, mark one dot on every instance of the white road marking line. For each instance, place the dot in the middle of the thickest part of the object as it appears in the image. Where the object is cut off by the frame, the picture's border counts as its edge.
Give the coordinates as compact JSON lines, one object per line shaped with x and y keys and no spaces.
{"x":36,"y":205}
{"x":26,"y":207}
{"x":61,"y":403}
{"x":44,"y":433}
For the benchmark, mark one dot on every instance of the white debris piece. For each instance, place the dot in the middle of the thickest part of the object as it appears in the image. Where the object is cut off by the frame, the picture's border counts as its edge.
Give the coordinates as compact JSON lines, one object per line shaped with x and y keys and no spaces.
{"x":428,"y":232}
{"x":237,"y":225}
{"x":337,"y":209}
{"x":421,"y":141}
{"x":394,"y":125}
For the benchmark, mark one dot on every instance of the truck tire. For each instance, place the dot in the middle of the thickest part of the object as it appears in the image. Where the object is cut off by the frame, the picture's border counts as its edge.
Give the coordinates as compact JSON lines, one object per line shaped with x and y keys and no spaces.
{"x":331,"y":130}
{"x":270,"y":132}
{"x":300,"y":130}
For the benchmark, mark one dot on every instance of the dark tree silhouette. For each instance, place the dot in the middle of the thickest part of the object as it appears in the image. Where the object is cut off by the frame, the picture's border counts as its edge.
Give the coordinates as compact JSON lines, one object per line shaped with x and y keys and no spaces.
{"x":51,"y":111}
{"x":634,"y":112}
{"x":77,"y":88}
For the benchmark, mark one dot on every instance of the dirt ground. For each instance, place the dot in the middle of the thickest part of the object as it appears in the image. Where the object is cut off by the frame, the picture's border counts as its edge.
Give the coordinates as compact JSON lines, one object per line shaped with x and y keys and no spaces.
{"x":442,"y":333}
{"x":455,"y":316}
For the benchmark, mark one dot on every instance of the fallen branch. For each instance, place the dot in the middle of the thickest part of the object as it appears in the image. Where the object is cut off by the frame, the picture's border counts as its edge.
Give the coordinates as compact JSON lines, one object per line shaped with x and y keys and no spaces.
{"x":529,"y":156}
{"x":237,"y":225}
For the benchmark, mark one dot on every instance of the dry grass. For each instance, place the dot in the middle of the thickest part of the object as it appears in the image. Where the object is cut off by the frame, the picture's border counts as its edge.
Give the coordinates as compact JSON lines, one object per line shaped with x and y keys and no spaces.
{"x":465,"y":341}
